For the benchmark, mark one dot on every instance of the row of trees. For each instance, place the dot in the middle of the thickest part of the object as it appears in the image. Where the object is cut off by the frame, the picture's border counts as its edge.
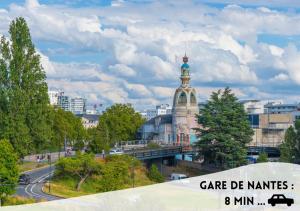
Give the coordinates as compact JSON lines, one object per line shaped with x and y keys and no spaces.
{"x":26,"y":118}
{"x":24,"y":107}
{"x":113,"y":173}
{"x":28,"y":124}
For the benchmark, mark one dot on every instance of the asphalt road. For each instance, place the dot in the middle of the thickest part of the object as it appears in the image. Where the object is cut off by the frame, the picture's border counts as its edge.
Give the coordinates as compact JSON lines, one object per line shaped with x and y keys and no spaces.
{"x":34,"y":189}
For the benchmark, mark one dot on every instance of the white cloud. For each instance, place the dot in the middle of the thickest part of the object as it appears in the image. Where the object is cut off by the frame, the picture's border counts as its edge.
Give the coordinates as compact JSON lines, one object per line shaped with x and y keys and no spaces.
{"x":280,"y":77}
{"x":291,"y":59}
{"x":142,"y":48}
{"x":122,"y":69}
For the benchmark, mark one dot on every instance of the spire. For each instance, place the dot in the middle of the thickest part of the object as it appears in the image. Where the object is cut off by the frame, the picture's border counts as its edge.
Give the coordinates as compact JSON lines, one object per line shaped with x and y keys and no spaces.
{"x":185,"y":72}
{"x":185,"y":59}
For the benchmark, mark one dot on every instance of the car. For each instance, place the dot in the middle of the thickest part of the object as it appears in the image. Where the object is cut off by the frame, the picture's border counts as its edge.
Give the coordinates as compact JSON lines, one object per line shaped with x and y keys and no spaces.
{"x":176,"y":176}
{"x":280,"y":199}
{"x":116,"y":152}
{"x":24,"y":179}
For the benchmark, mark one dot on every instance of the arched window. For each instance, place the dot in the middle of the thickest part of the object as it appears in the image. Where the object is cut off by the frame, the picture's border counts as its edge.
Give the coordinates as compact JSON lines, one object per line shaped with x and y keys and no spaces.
{"x":182,"y":100}
{"x":193,"y":99}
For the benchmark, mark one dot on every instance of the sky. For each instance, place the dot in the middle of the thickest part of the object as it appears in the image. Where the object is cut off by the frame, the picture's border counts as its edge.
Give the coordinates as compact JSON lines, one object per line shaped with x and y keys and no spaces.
{"x":131,"y":51}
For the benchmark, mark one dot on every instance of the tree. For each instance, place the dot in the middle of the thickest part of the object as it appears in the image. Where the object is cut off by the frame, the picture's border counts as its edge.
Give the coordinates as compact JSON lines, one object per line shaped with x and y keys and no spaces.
{"x":23,"y":92}
{"x":66,"y":126}
{"x":82,"y":166}
{"x":115,"y":175}
{"x":290,"y":148}
{"x":9,"y":172}
{"x":225,"y":130}
{"x":153,"y":145}
{"x":118,"y":123}
{"x":155,"y":175}
{"x":263,"y":157}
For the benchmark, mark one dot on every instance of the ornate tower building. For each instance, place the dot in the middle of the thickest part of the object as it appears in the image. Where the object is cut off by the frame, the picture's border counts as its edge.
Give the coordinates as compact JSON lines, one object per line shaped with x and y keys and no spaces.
{"x":185,"y":108}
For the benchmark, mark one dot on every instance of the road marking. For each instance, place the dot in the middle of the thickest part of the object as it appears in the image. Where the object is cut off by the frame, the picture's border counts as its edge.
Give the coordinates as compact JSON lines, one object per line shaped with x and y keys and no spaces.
{"x":42,"y":179}
{"x":31,"y":193}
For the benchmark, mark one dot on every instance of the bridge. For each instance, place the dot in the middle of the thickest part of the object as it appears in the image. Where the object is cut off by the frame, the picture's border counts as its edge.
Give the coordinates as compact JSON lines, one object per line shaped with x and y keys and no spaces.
{"x":273,"y":152}
{"x":146,"y":154}
{"x":172,"y":151}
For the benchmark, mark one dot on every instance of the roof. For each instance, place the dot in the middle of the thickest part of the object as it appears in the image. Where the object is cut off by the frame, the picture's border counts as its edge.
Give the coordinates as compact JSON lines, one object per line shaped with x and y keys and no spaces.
{"x":185,"y":65}
{"x":93,"y":117}
{"x":280,"y":105}
{"x":164,"y":119}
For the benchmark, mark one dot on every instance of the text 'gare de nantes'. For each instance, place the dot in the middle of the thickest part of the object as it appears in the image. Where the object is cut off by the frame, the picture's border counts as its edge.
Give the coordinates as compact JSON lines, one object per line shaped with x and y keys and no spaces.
{"x":269,"y":119}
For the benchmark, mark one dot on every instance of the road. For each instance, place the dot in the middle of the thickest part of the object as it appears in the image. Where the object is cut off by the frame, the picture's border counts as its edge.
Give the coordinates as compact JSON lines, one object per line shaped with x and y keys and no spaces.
{"x":34,"y":189}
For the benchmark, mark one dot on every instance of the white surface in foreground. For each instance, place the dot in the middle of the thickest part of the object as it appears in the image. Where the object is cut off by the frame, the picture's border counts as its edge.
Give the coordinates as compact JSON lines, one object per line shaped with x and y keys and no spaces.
{"x":186,"y":194}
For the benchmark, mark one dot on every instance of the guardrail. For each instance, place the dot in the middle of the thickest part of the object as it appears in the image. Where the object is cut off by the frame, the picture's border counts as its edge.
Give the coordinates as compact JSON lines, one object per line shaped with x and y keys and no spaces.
{"x":155,"y":153}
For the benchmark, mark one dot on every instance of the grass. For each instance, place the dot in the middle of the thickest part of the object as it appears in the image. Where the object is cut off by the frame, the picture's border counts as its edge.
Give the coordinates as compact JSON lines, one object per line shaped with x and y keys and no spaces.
{"x":18,"y":200}
{"x":66,"y":187}
{"x":26,"y":165}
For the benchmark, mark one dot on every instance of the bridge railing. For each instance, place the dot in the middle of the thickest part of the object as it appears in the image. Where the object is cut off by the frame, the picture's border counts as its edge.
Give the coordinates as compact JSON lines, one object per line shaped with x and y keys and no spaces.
{"x":155,"y":153}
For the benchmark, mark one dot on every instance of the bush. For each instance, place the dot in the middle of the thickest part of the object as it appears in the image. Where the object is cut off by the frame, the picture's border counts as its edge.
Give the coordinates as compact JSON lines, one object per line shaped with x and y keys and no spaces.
{"x":263,"y":157}
{"x":155,"y":175}
{"x":17,"y":200}
{"x":153,"y":145}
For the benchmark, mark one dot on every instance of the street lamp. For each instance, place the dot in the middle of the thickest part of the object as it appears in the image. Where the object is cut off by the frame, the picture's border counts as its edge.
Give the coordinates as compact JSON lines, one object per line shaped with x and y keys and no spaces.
{"x":49,"y":181}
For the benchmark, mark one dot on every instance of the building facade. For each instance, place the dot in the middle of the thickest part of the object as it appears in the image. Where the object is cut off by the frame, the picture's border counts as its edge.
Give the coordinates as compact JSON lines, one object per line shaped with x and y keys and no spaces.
{"x":272,"y":108}
{"x":64,"y":102}
{"x":53,"y":97}
{"x":89,"y":120}
{"x":258,"y":106}
{"x":78,"y":105}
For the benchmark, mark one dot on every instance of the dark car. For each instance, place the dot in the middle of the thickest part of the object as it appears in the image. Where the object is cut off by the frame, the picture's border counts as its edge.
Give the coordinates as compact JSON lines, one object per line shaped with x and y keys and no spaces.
{"x":24,"y":179}
{"x":280,"y":199}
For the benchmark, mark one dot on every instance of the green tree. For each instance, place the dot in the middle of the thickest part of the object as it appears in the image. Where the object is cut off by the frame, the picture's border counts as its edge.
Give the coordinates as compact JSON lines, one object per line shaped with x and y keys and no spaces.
{"x":153,"y":145}
{"x":225,"y":130}
{"x":81,"y":166}
{"x":118,"y":171}
{"x":66,"y":126}
{"x":262,"y":158}
{"x":23,"y":92}
{"x":114,"y":176}
{"x":8,"y":169}
{"x":290,"y":148}
{"x":155,"y":175}
{"x":118,"y":123}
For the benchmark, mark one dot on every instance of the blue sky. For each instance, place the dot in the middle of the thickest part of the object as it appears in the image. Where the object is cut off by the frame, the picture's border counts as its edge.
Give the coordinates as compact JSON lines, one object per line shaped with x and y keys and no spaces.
{"x":130,"y":51}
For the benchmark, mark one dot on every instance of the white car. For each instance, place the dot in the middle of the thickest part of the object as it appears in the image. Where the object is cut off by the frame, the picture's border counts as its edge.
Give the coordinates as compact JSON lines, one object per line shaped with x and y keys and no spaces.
{"x":116,"y":152}
{"x":176,"y":176}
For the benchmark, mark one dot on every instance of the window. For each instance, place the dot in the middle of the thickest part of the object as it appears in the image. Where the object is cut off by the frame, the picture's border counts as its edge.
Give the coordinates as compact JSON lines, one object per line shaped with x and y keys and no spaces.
{"x":193,"y":99}
{"x":181,"y":137}
{"x":182,"y":99}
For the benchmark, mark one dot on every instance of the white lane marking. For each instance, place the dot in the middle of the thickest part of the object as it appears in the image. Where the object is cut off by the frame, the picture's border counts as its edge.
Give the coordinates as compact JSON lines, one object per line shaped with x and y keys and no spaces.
{"x":42,"y":179}
{"x":32,"y":193}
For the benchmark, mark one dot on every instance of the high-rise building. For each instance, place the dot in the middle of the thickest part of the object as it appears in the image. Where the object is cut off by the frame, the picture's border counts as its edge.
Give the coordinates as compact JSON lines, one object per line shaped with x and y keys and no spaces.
{"x":64,"y":102}
{"x":53,"y":97}
{"x":78,"y":105}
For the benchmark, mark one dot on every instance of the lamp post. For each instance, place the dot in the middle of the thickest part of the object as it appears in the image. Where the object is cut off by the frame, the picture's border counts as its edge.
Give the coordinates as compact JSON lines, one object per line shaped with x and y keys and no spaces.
{"x":49,"y":181}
